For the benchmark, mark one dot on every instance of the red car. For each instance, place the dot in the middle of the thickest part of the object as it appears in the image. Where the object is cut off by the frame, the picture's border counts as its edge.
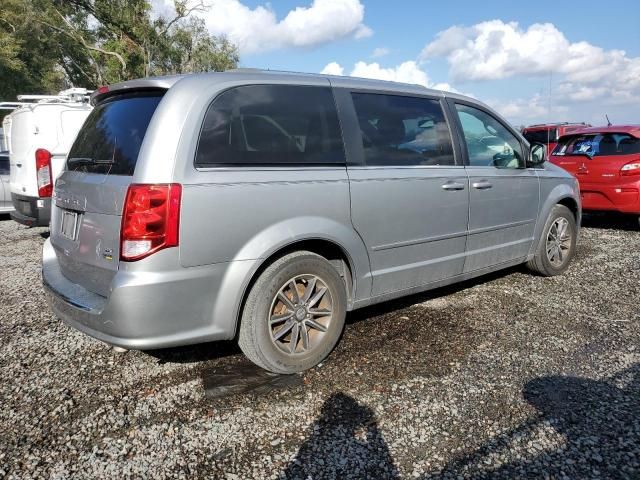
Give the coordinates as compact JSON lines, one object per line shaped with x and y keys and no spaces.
{"x":606,"y":162}
{"x":549,"y":133}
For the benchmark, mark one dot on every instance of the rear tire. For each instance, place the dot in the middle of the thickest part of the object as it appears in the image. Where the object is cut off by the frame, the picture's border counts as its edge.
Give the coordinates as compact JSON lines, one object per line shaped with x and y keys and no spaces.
{"x":294,"y":314}
{"x":557,"y":244}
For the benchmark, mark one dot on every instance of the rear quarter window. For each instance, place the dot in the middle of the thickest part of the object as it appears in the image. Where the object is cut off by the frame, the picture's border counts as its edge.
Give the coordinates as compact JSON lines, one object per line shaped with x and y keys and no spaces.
{"x":271,"y":125}
{"x":110,"y":139}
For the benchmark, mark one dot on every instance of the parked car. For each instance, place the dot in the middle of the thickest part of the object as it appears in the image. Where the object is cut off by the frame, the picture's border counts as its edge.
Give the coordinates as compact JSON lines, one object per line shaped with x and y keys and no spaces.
{"x":39,"y":135}
{"x":549,"y":133}
{"x":264,"y":206}
{"x":5,"y":194}
{"x":606,"y":162}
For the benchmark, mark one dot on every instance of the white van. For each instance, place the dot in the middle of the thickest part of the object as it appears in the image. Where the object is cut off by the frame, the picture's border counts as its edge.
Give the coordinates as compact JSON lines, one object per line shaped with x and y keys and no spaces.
{"x":39,"y":136}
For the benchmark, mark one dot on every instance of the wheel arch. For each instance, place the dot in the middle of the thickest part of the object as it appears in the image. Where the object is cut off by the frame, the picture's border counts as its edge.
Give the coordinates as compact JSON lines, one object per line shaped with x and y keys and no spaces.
{"x":335,"y":253}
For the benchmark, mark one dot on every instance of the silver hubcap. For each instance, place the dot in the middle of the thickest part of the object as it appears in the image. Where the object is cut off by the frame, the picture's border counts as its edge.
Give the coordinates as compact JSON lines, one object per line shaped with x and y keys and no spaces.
{"x":558,"y":242}
{"x":300,"y":314}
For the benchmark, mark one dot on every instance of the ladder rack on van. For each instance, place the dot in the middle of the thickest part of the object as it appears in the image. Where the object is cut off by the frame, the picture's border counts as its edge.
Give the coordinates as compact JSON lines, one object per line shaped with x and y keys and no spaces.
{"x":71,"y":95}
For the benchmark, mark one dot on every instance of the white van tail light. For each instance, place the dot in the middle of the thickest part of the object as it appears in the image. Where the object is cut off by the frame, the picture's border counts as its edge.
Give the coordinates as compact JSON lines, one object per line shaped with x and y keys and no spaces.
{"x":632,"y":168}
{"x":43,"y":173}
{"x":150,"y":220}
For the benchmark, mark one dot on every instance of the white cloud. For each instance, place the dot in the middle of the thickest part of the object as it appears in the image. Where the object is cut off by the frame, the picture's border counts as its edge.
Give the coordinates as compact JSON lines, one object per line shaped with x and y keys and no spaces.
{"x":258,"y":29}
{"x":406,"y":72}
{"x":333,"y":68}
{"x":584,"y":75}
{"x":379,"y":52}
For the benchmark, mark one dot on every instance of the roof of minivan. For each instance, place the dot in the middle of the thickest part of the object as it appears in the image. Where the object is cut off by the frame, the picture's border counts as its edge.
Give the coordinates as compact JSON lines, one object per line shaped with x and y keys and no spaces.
{"x":633,"y":130}
{"x":250,"y":74}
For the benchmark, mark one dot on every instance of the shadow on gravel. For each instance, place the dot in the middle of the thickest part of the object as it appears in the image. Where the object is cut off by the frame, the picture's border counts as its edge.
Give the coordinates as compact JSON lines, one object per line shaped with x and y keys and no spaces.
{"x":599,"y":420}
{"x":201,"y":352}
{"x":4,"y":217}
{"x":344,"y":440}
{"x":611,"y":221}
{"x":408,"y":301}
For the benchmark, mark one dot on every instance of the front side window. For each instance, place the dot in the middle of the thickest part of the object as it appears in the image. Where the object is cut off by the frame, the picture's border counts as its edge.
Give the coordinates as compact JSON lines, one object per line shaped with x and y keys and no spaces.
{"x":489,"y":142}
{"x":399,"y":130}
{"x":271,"y":125}
{"x":599,"y":145}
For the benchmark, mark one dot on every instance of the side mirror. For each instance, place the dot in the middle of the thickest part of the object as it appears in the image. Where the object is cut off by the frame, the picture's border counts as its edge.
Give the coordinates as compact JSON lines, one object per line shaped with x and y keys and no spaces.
{"x":537,"y":154}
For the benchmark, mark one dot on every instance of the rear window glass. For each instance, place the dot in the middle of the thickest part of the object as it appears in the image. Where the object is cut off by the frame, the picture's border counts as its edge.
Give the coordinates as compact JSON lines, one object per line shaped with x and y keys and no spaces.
{"x":110,"y":140}
{"x":541,"y":136}
{"x":271,"y":125}
{"x":599,"y":145}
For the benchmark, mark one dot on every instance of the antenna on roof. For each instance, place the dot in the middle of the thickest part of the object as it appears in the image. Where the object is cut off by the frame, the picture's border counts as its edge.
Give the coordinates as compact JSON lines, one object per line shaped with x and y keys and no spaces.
{"x":608,"y":121}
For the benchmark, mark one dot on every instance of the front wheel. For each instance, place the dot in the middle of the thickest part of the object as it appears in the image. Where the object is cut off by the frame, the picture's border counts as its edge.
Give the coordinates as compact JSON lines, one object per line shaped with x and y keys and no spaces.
{"x":294,"y":314}
{"x":557,"y":244}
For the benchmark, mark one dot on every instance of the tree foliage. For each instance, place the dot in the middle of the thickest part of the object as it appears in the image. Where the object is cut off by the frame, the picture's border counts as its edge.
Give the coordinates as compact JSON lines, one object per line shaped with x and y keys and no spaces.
{"x":46,"y":45}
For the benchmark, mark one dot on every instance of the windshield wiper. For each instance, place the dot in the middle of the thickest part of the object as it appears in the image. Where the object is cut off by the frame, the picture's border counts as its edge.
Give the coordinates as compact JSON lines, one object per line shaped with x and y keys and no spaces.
{"x":77,"y":161}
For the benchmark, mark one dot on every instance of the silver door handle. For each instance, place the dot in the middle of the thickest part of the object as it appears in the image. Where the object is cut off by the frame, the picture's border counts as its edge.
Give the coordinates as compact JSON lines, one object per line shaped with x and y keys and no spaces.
{"x":481,"y":185}
{"x":453,"y":186}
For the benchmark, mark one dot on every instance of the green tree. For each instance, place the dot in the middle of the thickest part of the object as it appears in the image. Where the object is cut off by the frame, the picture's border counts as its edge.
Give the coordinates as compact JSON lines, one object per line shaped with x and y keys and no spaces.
{"x":46,"y":45}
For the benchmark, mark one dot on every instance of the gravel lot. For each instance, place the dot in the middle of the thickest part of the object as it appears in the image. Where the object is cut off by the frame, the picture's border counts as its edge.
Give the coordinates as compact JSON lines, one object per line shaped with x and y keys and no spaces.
{"x":507,"y":376}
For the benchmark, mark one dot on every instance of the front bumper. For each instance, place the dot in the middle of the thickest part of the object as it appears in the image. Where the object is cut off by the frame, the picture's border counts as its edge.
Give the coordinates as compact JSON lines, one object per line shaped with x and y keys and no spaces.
{"x":144,"y":310}
{"x":27,"y":211}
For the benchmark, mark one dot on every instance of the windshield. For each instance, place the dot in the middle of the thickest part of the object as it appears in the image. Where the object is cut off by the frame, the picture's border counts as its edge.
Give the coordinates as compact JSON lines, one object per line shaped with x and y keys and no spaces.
{"x":110,"y":139}
{"x":541,"y":136}
{"x":599,"y":145}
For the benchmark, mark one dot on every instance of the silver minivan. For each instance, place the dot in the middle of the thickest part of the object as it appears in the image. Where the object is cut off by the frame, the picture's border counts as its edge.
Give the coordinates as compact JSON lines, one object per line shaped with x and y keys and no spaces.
{"x":263,"y":206}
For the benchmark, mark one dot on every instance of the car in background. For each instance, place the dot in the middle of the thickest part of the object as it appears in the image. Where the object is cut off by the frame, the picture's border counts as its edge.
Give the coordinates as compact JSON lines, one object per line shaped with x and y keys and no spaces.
{"x":549,"y":133}
{"x":5,"y":193}
{"x":39,"y":133}
{"x":606,"y":162}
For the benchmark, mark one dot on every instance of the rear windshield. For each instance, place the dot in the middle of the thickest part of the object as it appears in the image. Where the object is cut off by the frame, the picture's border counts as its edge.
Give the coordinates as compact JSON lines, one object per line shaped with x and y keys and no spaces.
{"x":111,"y":137}
{"x":599,"y":145}
{"x":541,"y":136}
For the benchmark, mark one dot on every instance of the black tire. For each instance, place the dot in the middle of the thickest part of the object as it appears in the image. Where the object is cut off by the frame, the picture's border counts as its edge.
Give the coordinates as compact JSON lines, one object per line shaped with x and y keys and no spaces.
{"x":540,"y":263}
{"x":256,"y":336}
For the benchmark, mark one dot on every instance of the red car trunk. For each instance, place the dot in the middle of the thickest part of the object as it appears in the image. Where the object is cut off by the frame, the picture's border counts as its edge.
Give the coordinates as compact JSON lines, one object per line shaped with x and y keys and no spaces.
{"x":606,"y":162}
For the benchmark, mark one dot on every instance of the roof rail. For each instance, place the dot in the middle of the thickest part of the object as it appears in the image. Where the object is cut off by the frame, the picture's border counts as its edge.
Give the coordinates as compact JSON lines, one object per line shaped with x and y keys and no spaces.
{"x":10,"y":105}
{"x":70,"y":95}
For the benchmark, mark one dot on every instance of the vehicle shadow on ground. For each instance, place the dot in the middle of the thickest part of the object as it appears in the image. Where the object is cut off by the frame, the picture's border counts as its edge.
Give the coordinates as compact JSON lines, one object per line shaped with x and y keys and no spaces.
{"x":408,"y":301}
{"x":611,"y":221}
{"x":201,"y":352}
{"x":4,"y":217}
{"x":598,"y":422}
{"x":344,"y":439}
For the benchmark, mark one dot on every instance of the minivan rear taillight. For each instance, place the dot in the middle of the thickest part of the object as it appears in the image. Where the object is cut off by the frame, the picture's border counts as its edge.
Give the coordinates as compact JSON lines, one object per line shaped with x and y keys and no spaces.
{"x":43,"y":173}
{"x":632,"y":168}
{"x":150,"y":220}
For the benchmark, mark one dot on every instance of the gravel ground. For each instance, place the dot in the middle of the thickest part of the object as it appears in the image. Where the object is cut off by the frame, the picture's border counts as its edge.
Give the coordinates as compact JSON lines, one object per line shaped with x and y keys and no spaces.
{"x":508,"y":376}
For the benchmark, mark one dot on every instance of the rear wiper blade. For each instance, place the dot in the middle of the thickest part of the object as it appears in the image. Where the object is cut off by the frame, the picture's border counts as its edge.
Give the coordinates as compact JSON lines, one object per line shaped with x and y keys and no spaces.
{"x":74,"y":162}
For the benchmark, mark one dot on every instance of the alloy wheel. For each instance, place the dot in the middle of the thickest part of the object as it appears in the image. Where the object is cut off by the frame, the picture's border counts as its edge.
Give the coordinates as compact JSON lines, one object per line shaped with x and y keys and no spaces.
{"x":300,"y":314}
{"x":558,"y":242}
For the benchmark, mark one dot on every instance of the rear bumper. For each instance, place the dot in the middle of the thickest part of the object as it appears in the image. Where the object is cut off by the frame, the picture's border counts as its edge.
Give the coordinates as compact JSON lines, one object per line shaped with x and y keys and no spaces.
{"x":28,"y":212}
{"x":622,"y":197}
{"x":144,"y":310}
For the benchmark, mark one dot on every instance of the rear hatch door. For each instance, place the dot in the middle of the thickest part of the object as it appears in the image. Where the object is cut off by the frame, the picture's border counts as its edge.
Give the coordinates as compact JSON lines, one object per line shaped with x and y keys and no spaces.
{"x":597,"y":158}
{"x":89,"y":194}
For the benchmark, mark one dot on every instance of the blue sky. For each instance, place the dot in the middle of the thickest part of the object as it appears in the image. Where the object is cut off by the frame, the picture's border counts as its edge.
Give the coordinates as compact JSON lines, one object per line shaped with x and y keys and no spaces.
{"x":588,"y":55}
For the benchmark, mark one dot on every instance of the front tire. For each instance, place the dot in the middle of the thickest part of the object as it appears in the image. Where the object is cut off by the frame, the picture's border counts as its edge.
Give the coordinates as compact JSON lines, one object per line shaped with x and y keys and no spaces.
{"x":557,"y":244}
{"x":294,"y":314}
